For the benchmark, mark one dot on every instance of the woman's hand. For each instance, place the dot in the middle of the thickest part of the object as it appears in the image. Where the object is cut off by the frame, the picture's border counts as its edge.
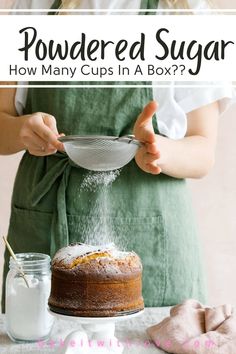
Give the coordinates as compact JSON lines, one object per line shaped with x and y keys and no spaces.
{"x":39,"y":135}
{"x":36,"y":132}
{"x":148,"y":155}
{"x":189,"y":157}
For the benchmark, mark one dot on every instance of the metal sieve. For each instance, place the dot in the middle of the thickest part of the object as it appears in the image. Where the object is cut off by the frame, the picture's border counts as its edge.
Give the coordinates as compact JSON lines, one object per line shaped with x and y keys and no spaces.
{"x":100,"y":153}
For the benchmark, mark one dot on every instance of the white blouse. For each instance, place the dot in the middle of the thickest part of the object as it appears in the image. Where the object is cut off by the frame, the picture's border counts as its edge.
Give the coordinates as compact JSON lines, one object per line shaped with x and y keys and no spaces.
{"x":174,"y":102}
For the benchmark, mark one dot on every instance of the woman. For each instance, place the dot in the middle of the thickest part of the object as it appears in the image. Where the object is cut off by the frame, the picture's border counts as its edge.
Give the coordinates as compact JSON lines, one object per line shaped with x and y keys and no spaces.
{"x":149,"y":203}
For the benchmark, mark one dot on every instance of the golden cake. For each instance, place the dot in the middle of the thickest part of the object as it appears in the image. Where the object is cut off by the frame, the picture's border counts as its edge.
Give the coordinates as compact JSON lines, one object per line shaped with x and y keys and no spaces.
{"x":95,"y":281}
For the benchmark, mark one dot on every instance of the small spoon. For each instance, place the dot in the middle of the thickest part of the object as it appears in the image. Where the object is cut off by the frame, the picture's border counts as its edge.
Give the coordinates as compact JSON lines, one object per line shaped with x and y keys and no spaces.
{"x":15,"y":259}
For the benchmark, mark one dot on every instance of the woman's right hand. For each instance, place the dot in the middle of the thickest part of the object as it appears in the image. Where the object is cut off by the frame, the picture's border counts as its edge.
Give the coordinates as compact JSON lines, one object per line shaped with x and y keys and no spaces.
{"x":39,"y":134}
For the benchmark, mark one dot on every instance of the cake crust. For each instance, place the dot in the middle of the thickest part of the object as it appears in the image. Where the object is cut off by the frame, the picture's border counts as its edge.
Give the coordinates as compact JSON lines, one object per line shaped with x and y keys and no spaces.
{"x":97,"y":283}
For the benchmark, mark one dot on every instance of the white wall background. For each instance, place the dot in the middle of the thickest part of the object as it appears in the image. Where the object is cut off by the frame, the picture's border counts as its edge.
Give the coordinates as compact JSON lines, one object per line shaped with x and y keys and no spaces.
{"x":214,"y":199}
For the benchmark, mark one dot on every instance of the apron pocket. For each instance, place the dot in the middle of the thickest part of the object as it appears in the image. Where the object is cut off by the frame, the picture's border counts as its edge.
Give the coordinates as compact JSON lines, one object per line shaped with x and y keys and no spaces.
{"x":144,"y":235}
{"x":30,"y":230}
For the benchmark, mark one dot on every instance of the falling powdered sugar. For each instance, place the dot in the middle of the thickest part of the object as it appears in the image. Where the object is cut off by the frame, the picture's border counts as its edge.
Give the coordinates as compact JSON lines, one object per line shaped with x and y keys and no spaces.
{"x":99,"y":228}
{"x":95,"y":180}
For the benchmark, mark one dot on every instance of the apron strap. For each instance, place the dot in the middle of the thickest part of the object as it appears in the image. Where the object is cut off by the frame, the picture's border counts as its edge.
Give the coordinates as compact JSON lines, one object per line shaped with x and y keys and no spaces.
{"x":56,"y":5}
{"x":59,"y":226}
{"x":50,"y":178}
{"x":145,"y":4}
{"x":149,"y":5}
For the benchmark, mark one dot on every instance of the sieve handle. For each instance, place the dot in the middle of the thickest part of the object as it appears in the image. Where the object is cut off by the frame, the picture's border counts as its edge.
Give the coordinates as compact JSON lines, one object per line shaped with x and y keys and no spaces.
{"x":129,"y":136}
{"x":131,"y":139}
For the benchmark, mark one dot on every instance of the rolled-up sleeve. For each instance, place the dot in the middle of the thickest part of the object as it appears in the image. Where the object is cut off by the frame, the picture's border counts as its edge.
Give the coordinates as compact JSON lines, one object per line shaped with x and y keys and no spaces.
{"x":191,"y":98}
{"x":176,"y":102}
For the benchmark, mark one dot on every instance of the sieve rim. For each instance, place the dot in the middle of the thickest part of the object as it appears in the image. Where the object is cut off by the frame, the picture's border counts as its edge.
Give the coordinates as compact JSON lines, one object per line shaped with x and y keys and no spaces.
{"x":127,"y":138}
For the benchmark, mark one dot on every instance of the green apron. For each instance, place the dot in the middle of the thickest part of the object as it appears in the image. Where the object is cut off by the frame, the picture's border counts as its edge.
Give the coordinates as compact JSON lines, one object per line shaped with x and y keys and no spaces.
{"x":150,"y":214}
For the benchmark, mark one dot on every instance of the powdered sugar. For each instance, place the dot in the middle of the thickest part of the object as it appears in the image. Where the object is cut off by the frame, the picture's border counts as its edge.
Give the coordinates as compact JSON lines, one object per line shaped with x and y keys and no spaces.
{"x":69,"y":253}
{"x":98,"y":230}
{"x":94,"y":180}
{"x":27,"y":317}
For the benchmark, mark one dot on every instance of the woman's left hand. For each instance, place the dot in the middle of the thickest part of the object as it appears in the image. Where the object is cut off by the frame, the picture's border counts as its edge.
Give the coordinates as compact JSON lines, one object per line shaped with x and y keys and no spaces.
{"x":148,"y":155}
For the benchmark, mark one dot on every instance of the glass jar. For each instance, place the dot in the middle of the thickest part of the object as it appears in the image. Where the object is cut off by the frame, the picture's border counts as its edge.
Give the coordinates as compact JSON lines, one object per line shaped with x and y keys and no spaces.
{"x":27,"y":316}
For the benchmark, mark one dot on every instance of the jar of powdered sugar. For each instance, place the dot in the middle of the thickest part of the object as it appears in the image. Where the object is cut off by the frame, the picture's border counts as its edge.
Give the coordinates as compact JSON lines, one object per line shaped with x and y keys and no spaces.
{"x":27,"y":316}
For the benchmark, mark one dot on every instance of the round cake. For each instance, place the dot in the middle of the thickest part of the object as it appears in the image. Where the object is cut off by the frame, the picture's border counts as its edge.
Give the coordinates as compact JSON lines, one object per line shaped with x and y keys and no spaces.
{"x":95,"y":281}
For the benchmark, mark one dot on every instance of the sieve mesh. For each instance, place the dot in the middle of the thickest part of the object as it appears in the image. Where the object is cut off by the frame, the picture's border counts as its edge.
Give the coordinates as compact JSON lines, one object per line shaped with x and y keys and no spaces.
{"x":100,"y":153}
